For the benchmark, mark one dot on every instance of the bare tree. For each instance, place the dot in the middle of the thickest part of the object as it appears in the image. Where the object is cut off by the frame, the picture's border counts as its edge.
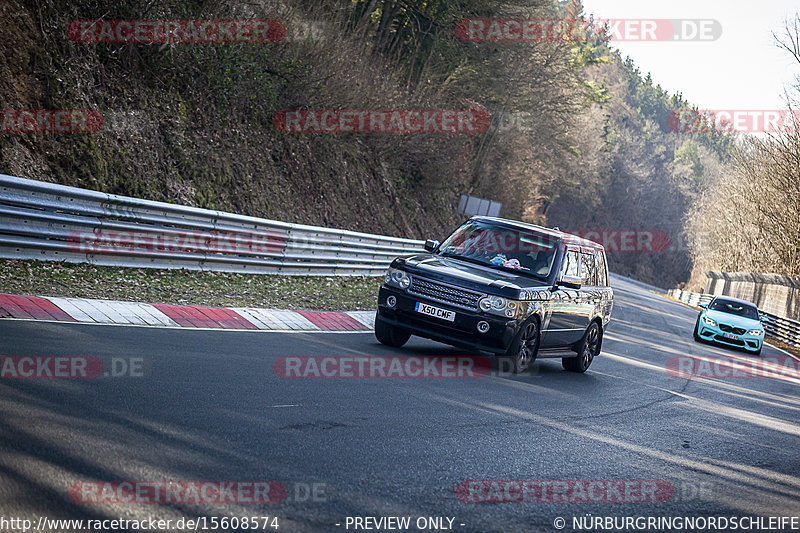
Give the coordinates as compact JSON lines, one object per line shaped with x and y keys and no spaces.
{"x":748,"y":221}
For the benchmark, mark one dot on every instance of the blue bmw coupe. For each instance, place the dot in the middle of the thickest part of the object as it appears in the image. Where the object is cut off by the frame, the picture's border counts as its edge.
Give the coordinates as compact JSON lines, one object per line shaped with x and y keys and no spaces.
{"x":731,"y":322}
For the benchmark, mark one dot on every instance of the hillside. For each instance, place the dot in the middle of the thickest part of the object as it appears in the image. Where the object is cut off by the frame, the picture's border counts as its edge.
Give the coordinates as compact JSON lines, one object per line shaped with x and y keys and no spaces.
{"x":578,"y":136}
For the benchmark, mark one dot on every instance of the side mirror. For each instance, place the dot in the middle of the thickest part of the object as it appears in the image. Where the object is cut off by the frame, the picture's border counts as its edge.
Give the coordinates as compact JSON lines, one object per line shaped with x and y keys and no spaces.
{"x":430,"y":245}
{"x":764,"y":319}
{"x":702,"y":306}
{"x":572,"y":282}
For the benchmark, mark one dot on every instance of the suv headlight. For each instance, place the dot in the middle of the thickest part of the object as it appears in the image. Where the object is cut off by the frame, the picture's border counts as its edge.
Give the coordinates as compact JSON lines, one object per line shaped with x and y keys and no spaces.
{"x":497,"y":305}
{"x":709,"y":321}
{"x":397,"y":278}
{"x":756,"y":332}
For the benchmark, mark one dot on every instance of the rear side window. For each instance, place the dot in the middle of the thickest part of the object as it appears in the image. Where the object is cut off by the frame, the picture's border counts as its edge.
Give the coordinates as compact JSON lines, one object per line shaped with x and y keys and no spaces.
{"x":602,"y":275}
{"x":588,"y":271}
{"x":571,"y":265}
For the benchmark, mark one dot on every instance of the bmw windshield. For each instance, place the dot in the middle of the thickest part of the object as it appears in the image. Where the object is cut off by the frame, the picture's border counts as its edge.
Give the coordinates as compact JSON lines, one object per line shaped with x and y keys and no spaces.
{"x":734,"y":308}
{"x":502,"y":247}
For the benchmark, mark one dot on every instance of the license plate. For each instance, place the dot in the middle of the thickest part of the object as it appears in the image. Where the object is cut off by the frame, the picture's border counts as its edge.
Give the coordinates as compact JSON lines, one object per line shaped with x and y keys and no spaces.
{"x":437,"y":312}
{"x":731,"y":336}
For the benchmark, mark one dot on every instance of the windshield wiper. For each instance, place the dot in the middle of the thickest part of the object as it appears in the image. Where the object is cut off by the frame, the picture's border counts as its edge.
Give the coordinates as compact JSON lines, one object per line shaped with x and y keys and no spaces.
{"x":465,"y":258}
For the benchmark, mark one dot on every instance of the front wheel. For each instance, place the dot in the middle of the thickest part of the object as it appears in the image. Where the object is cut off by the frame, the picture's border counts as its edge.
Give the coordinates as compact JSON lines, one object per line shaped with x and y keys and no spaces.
{"x":390,"y":335}
{"x":696,"y":330}
{"x":524,"y":347}
{"x":590,"y":346}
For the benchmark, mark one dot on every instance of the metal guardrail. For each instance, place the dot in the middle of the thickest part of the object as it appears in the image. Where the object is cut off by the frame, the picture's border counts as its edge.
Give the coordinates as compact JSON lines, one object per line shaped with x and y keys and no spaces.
{"x":44,"y":221}
{"x":783,"y":328}
{"x":693,"y":299}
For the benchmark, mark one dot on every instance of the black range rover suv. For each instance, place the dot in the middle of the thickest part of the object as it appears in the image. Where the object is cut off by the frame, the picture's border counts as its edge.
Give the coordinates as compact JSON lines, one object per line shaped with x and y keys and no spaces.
{"x":514,"y":289}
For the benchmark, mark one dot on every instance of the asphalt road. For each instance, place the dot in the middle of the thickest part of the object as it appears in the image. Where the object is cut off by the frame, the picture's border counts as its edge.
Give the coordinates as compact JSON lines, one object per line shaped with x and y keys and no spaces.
{"x":208,"y":406}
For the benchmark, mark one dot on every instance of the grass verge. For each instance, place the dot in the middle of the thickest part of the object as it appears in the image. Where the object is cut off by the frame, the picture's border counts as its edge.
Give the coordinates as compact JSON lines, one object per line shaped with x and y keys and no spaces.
{"x":49,"y":278}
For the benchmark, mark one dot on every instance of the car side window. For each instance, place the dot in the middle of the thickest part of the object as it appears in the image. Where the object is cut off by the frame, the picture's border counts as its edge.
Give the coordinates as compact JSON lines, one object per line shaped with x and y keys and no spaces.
{"x":602,"y":275}
{"x":588,"y":274}
{"x":571,"y":264}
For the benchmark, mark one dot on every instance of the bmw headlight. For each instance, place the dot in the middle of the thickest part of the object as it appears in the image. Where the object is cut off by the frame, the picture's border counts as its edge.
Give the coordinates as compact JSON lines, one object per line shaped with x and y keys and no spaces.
{"x":756,"y":332}
{"x":497,"y":305}
{"x":397,"y":278}
{"x":709,"y":321}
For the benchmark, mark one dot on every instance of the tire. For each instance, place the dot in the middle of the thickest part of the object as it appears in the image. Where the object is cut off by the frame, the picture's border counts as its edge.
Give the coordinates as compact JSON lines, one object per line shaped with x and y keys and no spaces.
{"x":390,"y":335}
{"x":696,"y":329}
{"x":523,"y":349}
{"x":589,"y":348}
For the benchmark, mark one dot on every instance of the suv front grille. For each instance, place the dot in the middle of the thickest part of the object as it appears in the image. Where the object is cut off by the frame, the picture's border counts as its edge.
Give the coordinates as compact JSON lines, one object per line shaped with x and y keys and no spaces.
{"x":444,"y":293}
{"x":730,"y":329}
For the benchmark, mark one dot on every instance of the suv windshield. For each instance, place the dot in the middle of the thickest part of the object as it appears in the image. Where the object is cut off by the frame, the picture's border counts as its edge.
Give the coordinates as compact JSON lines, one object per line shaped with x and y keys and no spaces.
{"x":734,"y":308}
{"x":502,"y":247}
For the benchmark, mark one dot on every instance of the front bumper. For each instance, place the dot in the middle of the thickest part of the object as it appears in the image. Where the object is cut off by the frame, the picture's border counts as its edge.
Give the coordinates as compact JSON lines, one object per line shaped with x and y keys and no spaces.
{"x":751,"y":343}
{"x":463,"y":332}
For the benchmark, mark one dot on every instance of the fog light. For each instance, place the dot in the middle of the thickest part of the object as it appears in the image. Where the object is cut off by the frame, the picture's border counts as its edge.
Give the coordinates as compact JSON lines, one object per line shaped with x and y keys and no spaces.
{"x":391,"y":301}
{"x":483,"y":326}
